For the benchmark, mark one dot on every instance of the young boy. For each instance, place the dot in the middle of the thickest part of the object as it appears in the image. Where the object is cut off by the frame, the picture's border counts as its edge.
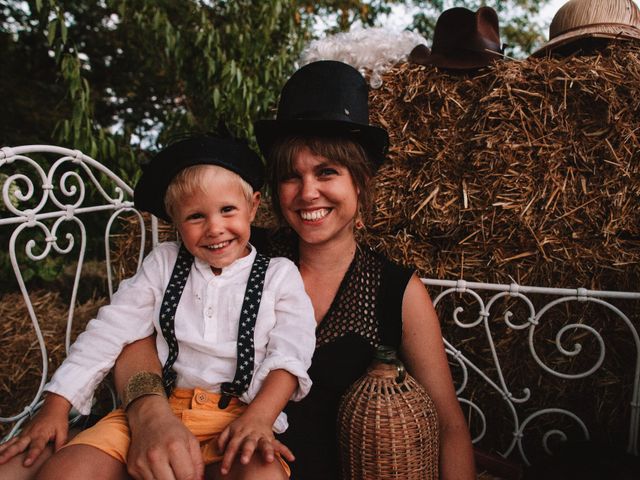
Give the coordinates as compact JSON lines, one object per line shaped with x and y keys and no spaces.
{"x":227,"y":320}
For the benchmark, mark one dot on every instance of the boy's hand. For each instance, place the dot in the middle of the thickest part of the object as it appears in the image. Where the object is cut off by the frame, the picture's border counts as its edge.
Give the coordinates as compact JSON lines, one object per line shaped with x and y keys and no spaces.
{"x":244,"y":436}
{"x":51,"y":423}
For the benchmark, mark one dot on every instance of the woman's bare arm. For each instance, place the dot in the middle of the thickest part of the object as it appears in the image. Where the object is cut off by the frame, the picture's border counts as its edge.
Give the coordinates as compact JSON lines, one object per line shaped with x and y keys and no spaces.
{"x":162,"y":448}
{"x":423,"y":352}
{"x":140,"y":356}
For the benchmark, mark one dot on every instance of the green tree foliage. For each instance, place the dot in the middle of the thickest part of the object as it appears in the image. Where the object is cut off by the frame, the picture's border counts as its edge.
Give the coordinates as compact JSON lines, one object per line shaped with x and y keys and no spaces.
{"x":138,"y":72}
{"x":348,"y":12}
{"x":116,"y":78}
{"x":31,"y":105}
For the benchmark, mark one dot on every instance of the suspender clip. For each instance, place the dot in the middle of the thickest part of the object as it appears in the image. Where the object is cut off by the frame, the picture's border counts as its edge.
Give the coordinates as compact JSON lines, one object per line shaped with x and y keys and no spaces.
{"x":227,"y":394}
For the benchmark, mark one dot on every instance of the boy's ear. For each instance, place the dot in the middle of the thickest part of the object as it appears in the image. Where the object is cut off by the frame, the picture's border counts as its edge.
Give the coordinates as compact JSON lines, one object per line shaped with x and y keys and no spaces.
{"x":255,"y":202}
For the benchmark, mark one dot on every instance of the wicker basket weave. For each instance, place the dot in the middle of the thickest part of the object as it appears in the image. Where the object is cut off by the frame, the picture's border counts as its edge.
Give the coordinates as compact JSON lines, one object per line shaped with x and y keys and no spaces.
{"x":387,"y":425}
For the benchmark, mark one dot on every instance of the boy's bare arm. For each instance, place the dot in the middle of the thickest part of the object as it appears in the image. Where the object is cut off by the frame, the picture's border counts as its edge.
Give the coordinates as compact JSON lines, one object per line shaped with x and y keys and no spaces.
{"x":50,"y":424}
{"x":254,"y":429}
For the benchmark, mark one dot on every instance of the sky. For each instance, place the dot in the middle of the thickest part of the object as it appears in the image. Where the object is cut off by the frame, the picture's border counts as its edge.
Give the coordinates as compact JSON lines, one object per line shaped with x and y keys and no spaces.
{"x":546,"y":14}
{"x":549,"y":11}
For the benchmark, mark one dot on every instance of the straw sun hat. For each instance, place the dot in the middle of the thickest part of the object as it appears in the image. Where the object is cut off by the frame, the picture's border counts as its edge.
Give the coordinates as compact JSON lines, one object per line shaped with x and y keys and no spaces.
{"x":592,"y":19}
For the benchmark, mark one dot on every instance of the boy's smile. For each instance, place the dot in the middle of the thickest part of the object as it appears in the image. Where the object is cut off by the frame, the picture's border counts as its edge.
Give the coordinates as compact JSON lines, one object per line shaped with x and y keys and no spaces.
{"x":214,"y":223}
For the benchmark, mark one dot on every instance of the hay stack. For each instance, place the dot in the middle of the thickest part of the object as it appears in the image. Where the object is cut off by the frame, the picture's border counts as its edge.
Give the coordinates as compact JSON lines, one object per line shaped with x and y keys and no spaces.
{"x":20,"y":358}
{"x":531,"y":169}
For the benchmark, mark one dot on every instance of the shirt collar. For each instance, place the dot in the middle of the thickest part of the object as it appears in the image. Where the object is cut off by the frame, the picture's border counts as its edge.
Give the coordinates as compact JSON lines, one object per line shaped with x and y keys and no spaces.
{"x":237,"y":266}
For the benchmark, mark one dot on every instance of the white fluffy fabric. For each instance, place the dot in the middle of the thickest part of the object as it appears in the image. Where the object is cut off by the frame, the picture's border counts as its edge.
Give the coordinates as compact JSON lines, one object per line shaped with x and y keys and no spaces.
{"x":371,"y":50}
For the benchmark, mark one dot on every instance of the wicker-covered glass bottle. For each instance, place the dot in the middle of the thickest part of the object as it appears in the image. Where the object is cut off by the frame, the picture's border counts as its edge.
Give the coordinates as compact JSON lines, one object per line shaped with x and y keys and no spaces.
{"x":387,"y":425}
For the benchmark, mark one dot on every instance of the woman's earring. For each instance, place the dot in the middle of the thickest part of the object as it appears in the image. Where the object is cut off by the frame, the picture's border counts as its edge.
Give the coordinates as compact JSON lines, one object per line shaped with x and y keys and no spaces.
{"x":359,"y":223}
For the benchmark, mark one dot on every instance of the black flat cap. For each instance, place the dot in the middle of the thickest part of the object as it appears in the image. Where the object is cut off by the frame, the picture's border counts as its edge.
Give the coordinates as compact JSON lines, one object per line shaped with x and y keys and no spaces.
{"x":198,"y":150}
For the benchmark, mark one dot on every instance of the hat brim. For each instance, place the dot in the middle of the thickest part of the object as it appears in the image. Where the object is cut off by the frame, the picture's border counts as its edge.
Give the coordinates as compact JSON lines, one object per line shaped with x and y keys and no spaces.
{"x":458,"y":60}
{"x":375,"y":140}
{"x":605,"y":31}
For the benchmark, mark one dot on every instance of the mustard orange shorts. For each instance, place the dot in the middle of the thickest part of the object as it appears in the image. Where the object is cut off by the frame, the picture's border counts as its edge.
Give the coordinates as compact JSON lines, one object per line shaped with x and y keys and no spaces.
{"x":197,"y":409}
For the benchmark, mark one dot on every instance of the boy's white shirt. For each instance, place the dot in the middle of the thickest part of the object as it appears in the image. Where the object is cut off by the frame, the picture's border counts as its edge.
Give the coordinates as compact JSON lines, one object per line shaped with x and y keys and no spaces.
{"x":206,"y":327}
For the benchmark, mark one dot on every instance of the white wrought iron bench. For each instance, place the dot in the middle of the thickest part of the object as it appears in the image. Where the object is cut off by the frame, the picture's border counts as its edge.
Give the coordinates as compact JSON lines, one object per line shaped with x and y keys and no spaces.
{"x":54,"y":200}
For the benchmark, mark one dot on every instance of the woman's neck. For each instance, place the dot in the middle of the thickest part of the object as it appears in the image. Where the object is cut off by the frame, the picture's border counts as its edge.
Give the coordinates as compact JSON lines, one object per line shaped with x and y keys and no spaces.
{"x":327,"y":257}
{"x":323,"y":267}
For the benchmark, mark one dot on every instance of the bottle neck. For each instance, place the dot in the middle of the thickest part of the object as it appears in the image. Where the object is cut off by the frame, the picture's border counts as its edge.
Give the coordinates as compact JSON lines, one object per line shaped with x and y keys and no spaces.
{"x":386,"y":362}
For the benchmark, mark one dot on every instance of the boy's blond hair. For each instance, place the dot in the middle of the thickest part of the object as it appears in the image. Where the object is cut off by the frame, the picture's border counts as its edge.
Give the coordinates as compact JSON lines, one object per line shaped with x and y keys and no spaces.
{"x":192,"y":179}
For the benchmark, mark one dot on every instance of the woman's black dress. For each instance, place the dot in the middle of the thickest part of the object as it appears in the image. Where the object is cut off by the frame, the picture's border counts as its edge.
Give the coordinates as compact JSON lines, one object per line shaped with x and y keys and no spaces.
{"x":366,"y":312}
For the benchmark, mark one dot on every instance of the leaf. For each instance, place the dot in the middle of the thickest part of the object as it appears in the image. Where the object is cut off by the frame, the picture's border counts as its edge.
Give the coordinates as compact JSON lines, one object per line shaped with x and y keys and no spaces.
{"x":63,"y":31}
{"x":51,"y":32}
{"x":112,"y":147}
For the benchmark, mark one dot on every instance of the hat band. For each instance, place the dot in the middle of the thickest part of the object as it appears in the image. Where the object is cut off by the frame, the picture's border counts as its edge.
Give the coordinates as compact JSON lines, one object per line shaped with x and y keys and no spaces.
{"x":323,"y":115}
{"x":478,"y":45}
{"x":600,"y":24}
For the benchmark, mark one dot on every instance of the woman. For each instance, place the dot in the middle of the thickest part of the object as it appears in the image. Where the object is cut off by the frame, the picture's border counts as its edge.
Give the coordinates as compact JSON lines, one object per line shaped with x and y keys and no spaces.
{"x":322,"y":154}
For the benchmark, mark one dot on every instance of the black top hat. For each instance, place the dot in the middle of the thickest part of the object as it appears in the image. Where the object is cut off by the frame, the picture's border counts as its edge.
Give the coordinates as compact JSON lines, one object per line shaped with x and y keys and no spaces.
{"x":225,"y":152}
{"x":325,"y":98}
{"x":462,"y":40}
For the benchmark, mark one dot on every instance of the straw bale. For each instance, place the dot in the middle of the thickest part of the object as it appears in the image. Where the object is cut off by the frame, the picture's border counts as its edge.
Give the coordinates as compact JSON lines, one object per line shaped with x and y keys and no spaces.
{"x":20,"y":357}
{"x":527,"y":172}
{"x":126,"y":245}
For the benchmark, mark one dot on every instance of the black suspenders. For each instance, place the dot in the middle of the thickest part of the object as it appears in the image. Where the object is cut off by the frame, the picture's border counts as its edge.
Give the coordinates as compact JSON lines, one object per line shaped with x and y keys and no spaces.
{"x":170,"y":301}
{"x":246,"y":326}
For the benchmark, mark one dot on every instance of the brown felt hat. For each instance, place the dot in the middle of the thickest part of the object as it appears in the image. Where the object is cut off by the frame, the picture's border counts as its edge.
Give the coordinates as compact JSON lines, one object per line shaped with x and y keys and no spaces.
{"x":462,"y":40}
{"x":579,"y":20}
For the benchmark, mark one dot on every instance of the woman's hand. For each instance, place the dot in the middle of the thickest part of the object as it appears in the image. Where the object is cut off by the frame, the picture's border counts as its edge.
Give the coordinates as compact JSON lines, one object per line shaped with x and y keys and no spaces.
{"x":50,"y":424}
{"x":246,"y":435}
{"x":162,"y":448}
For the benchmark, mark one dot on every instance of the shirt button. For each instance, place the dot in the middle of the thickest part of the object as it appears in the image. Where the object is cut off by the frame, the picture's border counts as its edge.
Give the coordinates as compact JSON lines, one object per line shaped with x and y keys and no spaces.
{"x":201,"y":398}
{"x":209,"y":312}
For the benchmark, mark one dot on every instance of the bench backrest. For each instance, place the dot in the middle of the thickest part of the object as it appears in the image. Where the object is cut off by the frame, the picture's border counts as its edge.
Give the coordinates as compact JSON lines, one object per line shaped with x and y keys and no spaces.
{"x":56,"y":203}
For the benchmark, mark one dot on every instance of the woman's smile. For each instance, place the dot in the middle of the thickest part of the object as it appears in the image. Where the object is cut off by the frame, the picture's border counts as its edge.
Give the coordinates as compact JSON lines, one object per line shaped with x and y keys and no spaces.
{"x":314,"y":215}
